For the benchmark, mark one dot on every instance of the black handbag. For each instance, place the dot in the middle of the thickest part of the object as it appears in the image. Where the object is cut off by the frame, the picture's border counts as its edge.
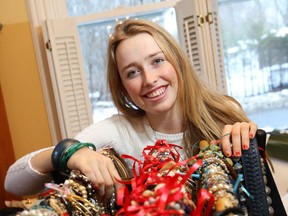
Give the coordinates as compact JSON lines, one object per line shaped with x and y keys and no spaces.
{"x":267,"y":200}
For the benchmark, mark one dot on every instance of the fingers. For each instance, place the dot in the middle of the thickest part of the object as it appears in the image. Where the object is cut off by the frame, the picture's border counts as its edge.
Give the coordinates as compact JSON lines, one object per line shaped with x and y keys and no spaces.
{"x":226,"y":143}
{"x":244,"y":130}
{"x":236,"y":138}
{"x":99,"y":169}
{"x":253,"y":129}
{"x":104,"y":178}
{"x":109,"y":174}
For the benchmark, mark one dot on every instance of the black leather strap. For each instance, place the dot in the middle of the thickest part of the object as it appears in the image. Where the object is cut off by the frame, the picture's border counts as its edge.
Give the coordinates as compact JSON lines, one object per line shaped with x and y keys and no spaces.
{"x":255,"y":184}
{"x":275,"y":196}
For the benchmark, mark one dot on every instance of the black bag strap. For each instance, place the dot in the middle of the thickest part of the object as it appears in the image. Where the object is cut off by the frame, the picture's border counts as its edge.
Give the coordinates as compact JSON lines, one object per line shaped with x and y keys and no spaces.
{"x":277,"y":203}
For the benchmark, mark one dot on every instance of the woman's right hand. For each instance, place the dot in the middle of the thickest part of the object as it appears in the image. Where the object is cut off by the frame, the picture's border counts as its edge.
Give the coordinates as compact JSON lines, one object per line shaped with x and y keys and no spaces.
{"x":98,"y":168}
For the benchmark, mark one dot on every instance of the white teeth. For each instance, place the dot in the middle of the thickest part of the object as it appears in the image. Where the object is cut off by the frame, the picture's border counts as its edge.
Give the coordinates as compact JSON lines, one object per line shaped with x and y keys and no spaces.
{"x":156,"y":93}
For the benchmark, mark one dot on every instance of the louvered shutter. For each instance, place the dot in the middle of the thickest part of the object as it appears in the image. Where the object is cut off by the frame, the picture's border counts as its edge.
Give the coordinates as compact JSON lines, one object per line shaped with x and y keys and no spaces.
{"x":67,"y":76}
{"x":201,"y":38}
{"x":213,"y":22}
{"x":189,"y":33}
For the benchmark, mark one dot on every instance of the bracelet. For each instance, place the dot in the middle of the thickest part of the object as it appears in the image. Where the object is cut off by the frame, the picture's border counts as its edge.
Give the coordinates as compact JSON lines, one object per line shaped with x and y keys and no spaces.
{"x":70,"y":151}
{"x":59,"y":149}
{"x":64,"y":150}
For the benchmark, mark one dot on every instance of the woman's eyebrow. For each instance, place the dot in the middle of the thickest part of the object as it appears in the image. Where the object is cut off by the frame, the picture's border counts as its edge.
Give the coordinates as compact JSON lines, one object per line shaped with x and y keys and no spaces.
{"x":127,"y":66}
{"x":153,"y":54}
{"x":135,"y":64}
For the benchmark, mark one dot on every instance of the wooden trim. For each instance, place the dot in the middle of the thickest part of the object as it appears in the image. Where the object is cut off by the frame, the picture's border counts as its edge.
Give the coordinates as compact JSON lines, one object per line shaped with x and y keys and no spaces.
{"x":7,"y":156}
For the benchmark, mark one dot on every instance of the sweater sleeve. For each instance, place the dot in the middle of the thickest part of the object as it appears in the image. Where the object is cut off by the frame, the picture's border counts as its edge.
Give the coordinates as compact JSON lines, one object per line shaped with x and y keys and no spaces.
{"x":21,"y":179}
{"x":116,"y":132}
{"x":109,"y":132}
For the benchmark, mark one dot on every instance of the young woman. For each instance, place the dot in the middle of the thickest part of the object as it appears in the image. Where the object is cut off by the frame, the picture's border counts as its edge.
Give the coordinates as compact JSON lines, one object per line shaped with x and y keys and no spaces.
{"x":159,"y":96}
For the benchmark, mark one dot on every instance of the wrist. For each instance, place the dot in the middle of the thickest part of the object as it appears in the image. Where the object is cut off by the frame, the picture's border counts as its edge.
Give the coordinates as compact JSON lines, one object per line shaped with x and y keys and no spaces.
{"x":63,"y":152}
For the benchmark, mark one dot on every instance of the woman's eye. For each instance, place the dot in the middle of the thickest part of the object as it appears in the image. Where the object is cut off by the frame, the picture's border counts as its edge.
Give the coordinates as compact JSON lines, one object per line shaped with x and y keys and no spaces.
{"x":158,"y":60}
{"x":132,"y":73}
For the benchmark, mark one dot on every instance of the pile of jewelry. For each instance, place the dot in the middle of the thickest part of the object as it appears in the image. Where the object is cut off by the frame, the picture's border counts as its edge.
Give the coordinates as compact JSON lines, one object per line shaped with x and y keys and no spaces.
{"x":75,"y":196}
{"x":219,"y":178}
{"x":162,"y":184}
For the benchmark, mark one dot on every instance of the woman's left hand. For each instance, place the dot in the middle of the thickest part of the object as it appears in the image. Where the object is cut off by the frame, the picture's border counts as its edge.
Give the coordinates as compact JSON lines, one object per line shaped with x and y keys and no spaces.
{"x":237,"y":137}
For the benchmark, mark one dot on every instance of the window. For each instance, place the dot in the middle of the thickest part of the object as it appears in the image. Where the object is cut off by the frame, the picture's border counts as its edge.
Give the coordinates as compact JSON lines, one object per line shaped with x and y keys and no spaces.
{"x":256,"y":58}
{"x":258,"y":81}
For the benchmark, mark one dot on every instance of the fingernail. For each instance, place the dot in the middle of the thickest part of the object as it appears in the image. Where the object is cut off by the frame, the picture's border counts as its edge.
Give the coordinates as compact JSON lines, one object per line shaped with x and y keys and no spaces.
{"x":245,"y":146}
{"x":227,"y":153}
{"x":251,"y":136}
{"x":237,"y":154}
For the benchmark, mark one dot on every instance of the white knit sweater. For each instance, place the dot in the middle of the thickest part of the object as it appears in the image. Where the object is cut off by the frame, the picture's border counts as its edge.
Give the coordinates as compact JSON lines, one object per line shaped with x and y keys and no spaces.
{"x":125,"y":136}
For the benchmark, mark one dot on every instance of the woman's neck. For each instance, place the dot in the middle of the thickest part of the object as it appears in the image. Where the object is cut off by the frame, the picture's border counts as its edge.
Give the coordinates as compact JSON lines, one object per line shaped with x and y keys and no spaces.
{"x":169,"y":124}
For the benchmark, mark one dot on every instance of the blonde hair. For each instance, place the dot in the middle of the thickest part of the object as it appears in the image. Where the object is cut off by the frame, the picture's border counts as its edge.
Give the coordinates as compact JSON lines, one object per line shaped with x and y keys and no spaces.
{"x":205,"y":111}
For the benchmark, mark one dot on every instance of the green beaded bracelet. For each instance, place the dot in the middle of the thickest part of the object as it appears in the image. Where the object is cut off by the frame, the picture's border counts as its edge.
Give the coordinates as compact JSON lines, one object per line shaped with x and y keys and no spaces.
{"x":69,"y":152}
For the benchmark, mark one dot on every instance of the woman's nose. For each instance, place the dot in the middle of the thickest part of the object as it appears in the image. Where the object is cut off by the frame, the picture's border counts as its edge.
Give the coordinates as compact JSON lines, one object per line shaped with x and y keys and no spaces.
{"x":150,"y":77}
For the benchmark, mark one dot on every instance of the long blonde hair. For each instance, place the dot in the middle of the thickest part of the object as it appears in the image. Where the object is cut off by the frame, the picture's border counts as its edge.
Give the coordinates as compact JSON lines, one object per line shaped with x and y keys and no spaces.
{"x":205,"y":111}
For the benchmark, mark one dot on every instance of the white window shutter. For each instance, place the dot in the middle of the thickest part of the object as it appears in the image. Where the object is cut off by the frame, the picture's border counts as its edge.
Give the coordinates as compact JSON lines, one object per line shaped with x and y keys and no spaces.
{"x":190,"y":34}
{"x":200,"y":35}
{"x":67,"y":76}
{"x":216,"y":45}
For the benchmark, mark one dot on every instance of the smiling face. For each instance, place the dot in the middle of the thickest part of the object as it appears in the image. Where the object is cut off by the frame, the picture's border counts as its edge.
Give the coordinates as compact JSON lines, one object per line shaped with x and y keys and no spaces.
{"x":149,"y":79}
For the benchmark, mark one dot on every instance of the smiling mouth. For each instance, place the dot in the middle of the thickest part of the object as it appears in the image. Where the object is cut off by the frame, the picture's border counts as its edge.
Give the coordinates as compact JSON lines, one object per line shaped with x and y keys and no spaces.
{"x":156,"y":93}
